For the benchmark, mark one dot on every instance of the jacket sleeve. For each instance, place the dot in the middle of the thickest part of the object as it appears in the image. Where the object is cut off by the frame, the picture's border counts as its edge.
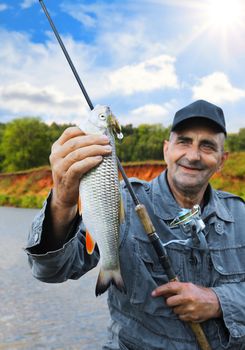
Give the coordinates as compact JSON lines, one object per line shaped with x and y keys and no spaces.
{"x":70,"y":261}
{"x":232,"y":301}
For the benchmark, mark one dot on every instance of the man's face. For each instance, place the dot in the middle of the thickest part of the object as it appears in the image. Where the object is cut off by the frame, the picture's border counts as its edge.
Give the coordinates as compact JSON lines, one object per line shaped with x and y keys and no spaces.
{"x":193,"y":154}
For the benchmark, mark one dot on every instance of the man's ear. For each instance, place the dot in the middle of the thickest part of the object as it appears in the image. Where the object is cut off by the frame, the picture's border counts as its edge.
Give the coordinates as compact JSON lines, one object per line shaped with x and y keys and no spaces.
{"x":224,"y":157}
{"x":165,"y":149}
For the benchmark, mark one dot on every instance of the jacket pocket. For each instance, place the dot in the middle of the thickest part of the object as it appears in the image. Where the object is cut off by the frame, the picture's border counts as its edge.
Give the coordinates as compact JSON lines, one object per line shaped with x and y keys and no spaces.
{"x":228,"y":264}
{"x":150,"y":274}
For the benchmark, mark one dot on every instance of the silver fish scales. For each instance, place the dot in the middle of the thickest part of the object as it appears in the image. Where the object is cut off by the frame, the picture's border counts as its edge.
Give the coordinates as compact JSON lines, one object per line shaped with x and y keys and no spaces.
{"x":100,"y":196}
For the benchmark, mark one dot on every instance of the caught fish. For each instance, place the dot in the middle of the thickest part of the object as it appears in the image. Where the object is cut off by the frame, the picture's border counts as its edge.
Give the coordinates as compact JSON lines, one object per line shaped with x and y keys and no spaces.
{"x":101,"y":202}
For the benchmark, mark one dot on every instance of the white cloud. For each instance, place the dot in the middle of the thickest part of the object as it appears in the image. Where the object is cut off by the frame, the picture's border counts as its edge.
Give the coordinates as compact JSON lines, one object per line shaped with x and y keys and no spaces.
{"x":122,"y":29}
{"x":35,"y":78}
{"x":3,"y":7}
{"x":155,"y":73}
{"x":85,"y":14}
{"x":147,"y":76}
{"x":27,"y":3}
{"x":100,"y":14}
{"x":150,"y":114}
{"x":44,"y":100}
{"x":217,"y":88}
{"x":122,"y":60}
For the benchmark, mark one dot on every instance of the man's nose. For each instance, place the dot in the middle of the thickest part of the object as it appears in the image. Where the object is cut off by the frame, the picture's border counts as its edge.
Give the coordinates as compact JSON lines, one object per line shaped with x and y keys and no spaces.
{"x":193,"y":153}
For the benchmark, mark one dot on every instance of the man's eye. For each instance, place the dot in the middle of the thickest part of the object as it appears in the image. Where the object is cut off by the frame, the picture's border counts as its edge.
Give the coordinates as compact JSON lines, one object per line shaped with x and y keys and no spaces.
{"x":183,"y":142}
{"x":208,"y":147}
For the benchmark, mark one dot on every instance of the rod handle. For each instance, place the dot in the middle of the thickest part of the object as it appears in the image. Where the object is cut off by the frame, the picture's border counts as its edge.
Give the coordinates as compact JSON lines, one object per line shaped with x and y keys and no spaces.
{"x":200,"y":336}
{"x":145,"y":219}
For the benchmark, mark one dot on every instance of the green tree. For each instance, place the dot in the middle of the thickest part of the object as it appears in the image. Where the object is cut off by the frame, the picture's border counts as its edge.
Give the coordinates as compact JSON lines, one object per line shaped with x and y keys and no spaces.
{"x":236,"y":142}
{"x":2,"y":127}
{"x":55,"y":130}
{"x":25,"y":144}
{"x":241,"y":141}
{"x":142,"y":143}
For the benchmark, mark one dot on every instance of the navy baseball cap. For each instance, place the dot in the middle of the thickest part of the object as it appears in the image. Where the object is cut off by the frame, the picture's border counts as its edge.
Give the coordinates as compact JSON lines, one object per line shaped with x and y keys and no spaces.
{"x":200,"y":109}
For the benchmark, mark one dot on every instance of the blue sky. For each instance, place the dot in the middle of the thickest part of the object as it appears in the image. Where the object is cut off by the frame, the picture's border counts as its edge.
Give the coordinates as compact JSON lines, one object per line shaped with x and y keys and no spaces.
{"x":145,"y":59}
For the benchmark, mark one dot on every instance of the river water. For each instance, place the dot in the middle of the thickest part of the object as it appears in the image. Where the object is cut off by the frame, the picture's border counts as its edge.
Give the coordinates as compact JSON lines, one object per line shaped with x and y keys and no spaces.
{"x":35,"y":315}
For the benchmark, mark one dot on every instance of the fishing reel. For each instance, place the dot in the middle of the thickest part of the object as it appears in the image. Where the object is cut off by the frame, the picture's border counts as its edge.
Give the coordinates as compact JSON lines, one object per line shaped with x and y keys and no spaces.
{"x":190,"y":220}
{"x":189,"y":217}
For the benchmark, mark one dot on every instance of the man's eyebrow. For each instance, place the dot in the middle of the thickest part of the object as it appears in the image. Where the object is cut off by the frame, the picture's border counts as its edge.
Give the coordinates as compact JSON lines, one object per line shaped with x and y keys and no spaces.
{"x":209,"y":143}
{"x":184,"y":138}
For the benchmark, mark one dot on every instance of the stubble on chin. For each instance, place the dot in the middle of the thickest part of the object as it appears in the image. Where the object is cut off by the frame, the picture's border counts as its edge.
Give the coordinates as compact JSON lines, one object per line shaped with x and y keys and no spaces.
{"x":188,"y":188}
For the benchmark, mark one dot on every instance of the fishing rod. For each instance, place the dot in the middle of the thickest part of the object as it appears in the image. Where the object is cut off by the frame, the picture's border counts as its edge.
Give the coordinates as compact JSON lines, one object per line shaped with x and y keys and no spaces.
{"x":139,"y":207}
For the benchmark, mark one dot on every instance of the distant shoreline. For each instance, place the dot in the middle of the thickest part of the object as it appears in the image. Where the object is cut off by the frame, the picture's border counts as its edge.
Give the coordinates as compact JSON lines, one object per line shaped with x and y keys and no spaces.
{"x":29,"y":188}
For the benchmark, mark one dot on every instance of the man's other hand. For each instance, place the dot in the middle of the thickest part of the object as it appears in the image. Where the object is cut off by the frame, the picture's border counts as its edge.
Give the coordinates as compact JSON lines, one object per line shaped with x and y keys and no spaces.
{"x":189,"y":301}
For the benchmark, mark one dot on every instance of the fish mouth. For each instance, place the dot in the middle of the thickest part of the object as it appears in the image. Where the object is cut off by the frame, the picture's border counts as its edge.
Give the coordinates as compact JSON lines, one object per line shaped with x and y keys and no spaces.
{"x":115,"y":126}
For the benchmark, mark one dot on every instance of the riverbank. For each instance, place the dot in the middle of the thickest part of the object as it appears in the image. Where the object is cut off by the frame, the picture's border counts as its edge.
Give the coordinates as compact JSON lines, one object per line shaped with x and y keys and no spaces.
{"x":28,"y":189}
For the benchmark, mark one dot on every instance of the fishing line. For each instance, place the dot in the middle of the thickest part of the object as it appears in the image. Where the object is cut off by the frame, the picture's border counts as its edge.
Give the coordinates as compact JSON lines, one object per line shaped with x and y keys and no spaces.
{"x":79,"y":81}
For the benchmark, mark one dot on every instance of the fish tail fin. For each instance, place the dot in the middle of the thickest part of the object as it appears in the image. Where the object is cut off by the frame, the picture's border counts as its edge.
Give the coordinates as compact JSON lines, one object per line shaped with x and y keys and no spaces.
{"x":108,"y":277}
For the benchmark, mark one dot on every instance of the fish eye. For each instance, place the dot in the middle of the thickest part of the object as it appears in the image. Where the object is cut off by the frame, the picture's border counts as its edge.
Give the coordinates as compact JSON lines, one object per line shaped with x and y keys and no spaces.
{"x":102,"y":116}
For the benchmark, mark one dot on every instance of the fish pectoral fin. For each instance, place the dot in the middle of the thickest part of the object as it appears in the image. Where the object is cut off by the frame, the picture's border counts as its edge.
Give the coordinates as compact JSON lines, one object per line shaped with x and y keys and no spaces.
{"x":90,"y":243}
{"x":122,"y":211}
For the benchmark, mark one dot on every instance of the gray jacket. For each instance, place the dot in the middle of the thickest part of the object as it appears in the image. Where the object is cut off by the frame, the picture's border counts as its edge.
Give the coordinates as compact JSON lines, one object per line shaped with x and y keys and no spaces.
{"x":139,"y":321}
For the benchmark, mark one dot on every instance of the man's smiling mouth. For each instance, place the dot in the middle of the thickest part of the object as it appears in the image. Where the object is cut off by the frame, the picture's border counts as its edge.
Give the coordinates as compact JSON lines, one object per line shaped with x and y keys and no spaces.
{"x":189,"y":168}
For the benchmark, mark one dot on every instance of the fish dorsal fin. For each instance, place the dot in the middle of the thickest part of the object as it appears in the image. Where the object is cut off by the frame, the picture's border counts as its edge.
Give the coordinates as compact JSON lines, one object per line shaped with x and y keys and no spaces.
{"x":80,"y":206}
{"x":90,"y":243}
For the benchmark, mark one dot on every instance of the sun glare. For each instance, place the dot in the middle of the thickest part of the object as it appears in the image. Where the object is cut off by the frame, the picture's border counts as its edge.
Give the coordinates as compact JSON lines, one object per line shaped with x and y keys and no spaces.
{"x":217,"y":22}
{"x":224,"y":14}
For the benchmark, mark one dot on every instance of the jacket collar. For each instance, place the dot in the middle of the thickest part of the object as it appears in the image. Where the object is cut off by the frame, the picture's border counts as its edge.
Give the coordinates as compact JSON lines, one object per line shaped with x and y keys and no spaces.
{"x":166,"y":207}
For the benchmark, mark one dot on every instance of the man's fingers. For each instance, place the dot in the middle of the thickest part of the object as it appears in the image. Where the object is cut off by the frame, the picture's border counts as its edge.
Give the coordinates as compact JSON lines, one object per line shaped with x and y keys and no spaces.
{"x":174,"y":300}
{"x":77,"y":169}
{"x":83,"y":141}
{"x":75,"y":143}
{"x":167,"y":289}
{"x":69,"y":133}
{"x":83,"y":153}
{"x":189,"y":317}
{"x":184,"y":308}
{"x":185,"y":317}
{"x":68,"y":182}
